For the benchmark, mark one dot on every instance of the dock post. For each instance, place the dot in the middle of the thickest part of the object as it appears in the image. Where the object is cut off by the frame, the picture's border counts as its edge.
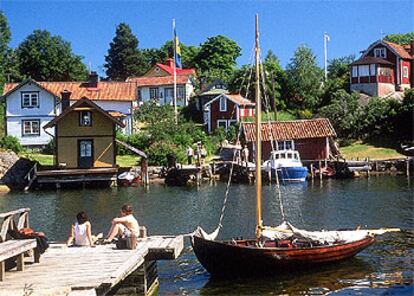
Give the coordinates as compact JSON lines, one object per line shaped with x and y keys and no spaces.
{"x":144,"y":172}
{"x":408,"y":166}
{"x":320,"y":170}
{"x":311,"y":169}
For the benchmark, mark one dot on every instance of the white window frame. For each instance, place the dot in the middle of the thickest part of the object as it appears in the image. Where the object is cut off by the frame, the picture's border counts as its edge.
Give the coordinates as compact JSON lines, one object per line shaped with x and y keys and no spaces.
{"x":154,"y":93}
{"x":31,"y":131}
{"x":180,"y":92}
{"x":354,"y":71}
{"x":380,"y":52}
{"x":405,"y":71}
{"x":372,"y":70}
{"x":223,"y":106}
{"x":85,"y":115}
{"x":31,"y":97}
{"x":221,"y":121}
{"x":283,"y":145}
{"x":363,"y":70}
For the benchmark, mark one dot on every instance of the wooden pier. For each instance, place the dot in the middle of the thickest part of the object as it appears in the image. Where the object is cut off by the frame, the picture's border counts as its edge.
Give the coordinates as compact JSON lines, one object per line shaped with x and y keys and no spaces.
{"x":100,"y":270}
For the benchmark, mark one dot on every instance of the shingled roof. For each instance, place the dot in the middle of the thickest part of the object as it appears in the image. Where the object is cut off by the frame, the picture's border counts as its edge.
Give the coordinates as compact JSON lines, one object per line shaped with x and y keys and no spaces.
{"x":290,"y":130}
{"x":105,"y":90}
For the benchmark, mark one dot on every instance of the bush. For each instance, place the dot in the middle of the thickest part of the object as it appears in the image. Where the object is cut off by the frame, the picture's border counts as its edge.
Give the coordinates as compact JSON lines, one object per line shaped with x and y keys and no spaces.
{"x":11,"y":143}
{"x":49,"y":148}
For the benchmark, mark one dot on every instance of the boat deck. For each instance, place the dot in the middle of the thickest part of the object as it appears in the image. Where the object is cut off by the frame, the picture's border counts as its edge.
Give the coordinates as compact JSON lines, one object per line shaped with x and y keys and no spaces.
{"x":84,"y":270}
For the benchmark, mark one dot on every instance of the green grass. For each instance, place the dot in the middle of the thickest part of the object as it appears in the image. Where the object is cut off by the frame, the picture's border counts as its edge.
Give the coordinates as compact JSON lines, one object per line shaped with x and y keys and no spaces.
{"x":281,"y":116}
{"x":361,"y":151}
{"x":46,"y":159}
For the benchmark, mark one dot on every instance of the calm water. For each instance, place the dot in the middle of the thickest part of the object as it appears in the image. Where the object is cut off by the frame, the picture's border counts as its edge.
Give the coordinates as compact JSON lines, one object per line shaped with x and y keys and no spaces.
{"x":384,"y":268}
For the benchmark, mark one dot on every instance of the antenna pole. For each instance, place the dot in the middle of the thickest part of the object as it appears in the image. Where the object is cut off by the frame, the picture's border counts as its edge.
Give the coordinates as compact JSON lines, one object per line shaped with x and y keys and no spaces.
{"x":325,"y":49}
{"x":175,"y":73}
{"x":258,"y":139}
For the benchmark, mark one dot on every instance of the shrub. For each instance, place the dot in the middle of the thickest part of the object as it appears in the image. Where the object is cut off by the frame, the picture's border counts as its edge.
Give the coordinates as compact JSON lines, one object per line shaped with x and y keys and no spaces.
{"x":49,"y":148}
{"x":11,"y":143}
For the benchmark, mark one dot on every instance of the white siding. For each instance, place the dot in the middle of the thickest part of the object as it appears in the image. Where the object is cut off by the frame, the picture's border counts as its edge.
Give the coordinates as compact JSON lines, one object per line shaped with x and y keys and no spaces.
{"x":15,"y":114}
{"x":163,"y":97}
{"x":14,"y":128}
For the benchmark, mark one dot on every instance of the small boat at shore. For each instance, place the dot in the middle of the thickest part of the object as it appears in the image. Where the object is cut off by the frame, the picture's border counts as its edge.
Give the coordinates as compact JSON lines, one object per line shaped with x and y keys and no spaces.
{"x":287,"y":165}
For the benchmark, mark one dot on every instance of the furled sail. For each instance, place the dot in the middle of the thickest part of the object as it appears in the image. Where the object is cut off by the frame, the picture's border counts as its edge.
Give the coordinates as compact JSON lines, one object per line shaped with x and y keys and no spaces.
{"x":288,"y":231}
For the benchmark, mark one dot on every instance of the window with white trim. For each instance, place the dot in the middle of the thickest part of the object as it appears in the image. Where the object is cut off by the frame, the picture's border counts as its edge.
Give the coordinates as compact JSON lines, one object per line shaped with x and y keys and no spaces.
{"x":154,"y":93}
{"x":222,"y":123}
{"x":285,"y":145}
{"x":363,"y":70}
{"x":405,"y":72}
{"x":372,"y":70}
{"x":31,"y":127}
{"x":354,"y":71}
{"x":380,"y":52}
{"x":223,"y":104}
{"x":30,"y":99}
{"x":85,"y":118}
{"x":180,"y":92}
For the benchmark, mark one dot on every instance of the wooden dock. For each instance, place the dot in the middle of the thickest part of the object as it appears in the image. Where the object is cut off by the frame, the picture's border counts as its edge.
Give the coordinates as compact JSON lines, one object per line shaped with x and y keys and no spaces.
{"x":100,"y":270}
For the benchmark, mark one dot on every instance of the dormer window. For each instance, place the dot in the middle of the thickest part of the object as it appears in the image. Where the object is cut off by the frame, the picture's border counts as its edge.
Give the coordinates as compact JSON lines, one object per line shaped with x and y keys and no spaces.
{"x":380,"y":52}
{"x":223,"y":104}
{"x":85,"y":118}
{"x":30,"y":99}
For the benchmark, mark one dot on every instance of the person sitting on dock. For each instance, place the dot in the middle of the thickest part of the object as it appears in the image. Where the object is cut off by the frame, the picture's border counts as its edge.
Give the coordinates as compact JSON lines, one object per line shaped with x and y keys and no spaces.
{"x":124,"y":226}
{"x":81,"y":233}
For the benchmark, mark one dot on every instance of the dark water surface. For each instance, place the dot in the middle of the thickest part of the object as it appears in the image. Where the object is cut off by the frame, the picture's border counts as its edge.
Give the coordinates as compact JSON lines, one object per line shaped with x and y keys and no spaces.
{"x":386,"y":268}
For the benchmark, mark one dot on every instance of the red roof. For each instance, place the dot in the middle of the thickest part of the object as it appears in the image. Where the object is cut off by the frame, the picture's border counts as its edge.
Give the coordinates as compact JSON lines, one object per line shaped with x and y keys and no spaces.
{"x":236,"y":98}
{"x":169,"y":68}
{"x":154,"y":81}
{"x":105,"y":91}
{"x":290,"y":130}
{"x":400,"y":49}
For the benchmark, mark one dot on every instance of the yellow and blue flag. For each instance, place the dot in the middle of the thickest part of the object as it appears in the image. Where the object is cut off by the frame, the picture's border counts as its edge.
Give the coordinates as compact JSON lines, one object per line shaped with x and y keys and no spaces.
{"x":177,"y":49}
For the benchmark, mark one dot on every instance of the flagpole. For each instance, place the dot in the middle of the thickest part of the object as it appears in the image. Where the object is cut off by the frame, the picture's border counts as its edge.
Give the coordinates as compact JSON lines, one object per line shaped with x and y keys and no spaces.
{"x":325,"y":48}
{"x":175,"y":73}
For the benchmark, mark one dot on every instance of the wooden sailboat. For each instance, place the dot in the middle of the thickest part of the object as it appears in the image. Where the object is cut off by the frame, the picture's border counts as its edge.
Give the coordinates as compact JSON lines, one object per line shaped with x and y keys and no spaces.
{"x":275,"y":249}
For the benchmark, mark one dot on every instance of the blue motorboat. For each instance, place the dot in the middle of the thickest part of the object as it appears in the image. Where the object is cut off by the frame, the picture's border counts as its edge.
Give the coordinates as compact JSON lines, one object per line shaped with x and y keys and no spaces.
{"x":287,"y":165}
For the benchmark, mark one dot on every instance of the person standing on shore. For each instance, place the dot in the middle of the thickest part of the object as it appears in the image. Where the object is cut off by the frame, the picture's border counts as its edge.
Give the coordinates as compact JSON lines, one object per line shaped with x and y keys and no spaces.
{"x":245,"y":155}
{"x":190,"y":154}
{"x":203,"y":153}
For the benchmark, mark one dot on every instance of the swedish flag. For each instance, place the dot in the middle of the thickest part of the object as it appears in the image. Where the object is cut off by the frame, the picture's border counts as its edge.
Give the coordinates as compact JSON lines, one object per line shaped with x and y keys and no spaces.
{"x":177,"y":49}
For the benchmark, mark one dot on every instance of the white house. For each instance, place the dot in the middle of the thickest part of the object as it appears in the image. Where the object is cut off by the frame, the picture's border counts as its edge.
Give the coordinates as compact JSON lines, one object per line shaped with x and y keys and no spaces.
{"x":158,"y":84}
{"x":31,"y":104}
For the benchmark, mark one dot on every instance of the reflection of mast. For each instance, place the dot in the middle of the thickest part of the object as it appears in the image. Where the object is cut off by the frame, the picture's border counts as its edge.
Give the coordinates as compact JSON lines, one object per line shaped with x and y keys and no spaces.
{"x":258,"y":138}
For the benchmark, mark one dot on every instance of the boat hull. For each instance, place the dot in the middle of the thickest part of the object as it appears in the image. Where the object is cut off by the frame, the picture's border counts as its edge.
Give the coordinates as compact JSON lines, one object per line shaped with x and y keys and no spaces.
{"x":224,"y":259}
{"x":291,"y":174}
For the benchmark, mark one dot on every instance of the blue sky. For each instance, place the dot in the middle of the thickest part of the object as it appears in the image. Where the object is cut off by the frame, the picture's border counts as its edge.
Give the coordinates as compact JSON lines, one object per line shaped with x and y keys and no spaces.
{"x":284,"y":25}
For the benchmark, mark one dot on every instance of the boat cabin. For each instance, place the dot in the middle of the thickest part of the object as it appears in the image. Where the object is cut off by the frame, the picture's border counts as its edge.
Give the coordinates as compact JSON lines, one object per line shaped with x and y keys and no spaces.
{"x":85,"y":136}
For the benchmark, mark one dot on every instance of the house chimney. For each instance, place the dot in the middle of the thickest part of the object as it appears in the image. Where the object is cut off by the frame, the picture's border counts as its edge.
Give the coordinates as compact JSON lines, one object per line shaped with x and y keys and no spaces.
{"x":65,"y":99}
{"x":93,"y":79}
{"x":170,"y":62}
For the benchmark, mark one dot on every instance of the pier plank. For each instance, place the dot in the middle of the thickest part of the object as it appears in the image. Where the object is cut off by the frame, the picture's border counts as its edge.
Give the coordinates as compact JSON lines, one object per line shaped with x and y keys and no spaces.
{"x":84,"y":271}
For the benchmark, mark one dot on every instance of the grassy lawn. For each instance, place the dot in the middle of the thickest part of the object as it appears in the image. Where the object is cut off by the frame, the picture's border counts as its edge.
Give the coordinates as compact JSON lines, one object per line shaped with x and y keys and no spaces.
{"x":362,"y":151}
{"x":45,"y":159}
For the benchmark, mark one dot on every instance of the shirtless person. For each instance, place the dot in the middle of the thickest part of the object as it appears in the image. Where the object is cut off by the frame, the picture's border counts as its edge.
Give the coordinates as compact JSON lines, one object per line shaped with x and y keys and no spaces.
{"x":125,"y":226}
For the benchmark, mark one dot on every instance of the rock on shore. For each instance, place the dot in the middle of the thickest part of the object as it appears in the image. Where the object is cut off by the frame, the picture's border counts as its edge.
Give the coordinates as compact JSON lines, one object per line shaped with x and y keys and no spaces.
{"x":13,"y":170}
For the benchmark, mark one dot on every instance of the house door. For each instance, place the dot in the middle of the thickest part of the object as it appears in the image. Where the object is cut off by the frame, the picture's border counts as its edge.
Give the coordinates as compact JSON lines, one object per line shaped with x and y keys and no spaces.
{"x":85,"y":154}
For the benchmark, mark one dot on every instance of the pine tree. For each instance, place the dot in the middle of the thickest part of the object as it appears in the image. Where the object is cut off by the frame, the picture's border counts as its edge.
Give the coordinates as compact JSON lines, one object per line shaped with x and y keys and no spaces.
{"x":124,"y":59}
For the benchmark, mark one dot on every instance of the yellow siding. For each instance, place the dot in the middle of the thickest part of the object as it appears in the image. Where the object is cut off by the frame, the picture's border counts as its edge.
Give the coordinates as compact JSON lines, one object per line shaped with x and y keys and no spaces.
{"x":69,"y":125}
{"x":103,"y":151}
{"x":153,"y":73}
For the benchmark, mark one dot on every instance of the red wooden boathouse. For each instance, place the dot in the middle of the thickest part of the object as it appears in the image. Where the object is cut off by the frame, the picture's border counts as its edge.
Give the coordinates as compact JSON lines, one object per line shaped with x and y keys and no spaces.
{"x":313,"y":138}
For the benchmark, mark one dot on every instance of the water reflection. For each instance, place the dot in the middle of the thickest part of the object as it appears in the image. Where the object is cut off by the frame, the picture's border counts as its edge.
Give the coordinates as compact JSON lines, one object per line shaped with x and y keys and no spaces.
{"x":373,"y":202}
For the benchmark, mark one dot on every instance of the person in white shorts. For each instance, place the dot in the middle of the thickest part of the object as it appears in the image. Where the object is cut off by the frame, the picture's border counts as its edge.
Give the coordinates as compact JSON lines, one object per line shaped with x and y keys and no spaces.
{"x":124,"y":226}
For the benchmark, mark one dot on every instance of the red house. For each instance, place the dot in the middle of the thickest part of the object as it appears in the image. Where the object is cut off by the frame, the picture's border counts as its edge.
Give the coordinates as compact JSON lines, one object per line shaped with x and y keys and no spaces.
{"x":385,"y":67}
{"x":311,"y":138}
{"x":225,"y":110}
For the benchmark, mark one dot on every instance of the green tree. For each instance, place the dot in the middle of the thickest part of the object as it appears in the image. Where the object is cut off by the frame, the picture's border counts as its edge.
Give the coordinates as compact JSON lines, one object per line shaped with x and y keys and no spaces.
{"x":49,"y":58}
{"x":304,"y":80}
{"x":217,"y":59}
{"x":344,"y":112}
{"x":124,"y":59}
{"x":400,"y":38}
{"x":272,"y":82}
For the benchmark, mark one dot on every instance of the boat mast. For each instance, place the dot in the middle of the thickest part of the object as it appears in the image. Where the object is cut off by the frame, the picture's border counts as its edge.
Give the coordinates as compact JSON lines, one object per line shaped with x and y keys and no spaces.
{"x":258,"y":138}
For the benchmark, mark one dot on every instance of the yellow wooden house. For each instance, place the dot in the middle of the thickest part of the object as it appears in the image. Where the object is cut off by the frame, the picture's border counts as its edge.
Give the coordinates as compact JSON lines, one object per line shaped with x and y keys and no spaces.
{"x":84,"y":136}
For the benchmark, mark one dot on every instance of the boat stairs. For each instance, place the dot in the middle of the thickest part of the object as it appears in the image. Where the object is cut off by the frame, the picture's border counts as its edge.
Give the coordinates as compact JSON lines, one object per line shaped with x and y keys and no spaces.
{"x":87,"y":271}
